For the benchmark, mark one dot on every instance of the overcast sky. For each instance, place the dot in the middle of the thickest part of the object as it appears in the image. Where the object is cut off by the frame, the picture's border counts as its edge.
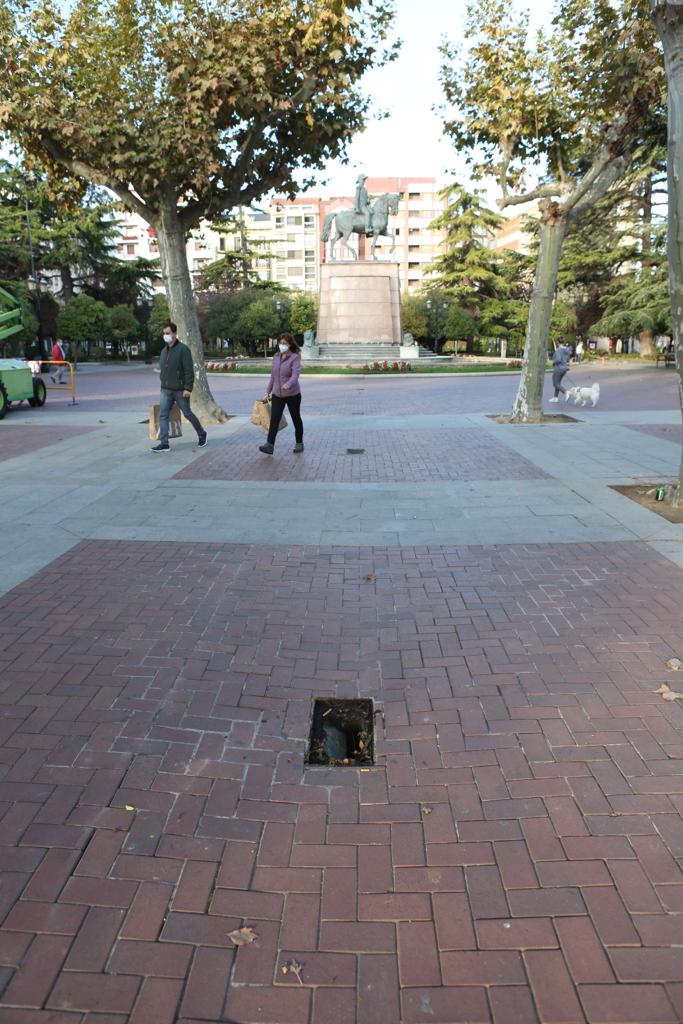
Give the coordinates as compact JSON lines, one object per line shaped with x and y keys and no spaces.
{"x":410,"y":141}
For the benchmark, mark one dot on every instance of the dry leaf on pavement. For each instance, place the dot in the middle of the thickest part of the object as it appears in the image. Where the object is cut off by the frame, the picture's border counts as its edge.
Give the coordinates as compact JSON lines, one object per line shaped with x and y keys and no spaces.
{"x":242,"y":936}
{"x":668,"y":694}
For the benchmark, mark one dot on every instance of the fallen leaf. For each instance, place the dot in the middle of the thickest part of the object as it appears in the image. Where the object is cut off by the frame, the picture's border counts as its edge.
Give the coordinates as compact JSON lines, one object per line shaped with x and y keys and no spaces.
{"x":370,"y":576}
{"x":242,"y":936}
{"x":667,"y":693}
{"x":427,"y":810}
{"x":675,"y":664}
{"x":129,"y":807}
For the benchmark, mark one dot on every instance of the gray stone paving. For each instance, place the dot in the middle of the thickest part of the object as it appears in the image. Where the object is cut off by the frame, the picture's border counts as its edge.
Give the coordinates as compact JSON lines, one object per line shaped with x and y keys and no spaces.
{"x":106,"y":485}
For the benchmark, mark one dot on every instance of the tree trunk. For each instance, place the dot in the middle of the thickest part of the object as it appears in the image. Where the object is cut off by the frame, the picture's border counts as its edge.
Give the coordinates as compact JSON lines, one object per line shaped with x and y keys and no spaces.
{"x":646,"y":344}
{"x":67,"y":283}
{"x":176,"y":274}
{"x":669,"y":24}
{"x":528,"y":405}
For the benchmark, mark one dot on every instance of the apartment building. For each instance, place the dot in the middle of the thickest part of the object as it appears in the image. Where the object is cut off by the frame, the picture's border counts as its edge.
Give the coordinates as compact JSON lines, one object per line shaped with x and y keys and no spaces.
{"x":283,"y":235}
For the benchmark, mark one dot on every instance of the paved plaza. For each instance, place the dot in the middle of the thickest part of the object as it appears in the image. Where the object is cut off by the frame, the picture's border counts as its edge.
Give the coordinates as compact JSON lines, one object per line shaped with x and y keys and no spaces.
{"x":515,"y":854}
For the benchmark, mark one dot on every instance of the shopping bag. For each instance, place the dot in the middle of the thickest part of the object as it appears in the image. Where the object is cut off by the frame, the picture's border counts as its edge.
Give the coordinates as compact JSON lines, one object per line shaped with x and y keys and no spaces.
{"x":174,"y":428}
{"x":260,"y":415}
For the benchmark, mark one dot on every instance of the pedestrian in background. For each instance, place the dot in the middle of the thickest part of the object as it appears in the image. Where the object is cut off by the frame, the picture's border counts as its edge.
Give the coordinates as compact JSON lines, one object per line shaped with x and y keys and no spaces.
{"x":58,"y":360}
{"x":177,"y":381}
{"x":579,"y":352}
{"x":283,"y":390}
{"x":560,"y":367}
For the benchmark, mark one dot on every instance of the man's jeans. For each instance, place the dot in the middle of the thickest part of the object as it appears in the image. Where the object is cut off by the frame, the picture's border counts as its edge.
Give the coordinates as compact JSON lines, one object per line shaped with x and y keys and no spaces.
{"x":166,"y":404}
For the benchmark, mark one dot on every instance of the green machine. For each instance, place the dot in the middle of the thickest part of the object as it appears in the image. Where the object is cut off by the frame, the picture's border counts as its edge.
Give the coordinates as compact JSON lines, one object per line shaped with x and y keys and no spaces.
{"x":17,"y":381}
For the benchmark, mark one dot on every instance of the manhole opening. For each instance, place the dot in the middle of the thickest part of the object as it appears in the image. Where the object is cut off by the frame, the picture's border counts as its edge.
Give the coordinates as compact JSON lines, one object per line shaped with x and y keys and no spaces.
{"x":342,"y":733}
{"x":355,"y":451}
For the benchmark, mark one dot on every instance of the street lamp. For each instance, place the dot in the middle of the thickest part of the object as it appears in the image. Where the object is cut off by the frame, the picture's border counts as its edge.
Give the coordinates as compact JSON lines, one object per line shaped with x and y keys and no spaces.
{"x":434,"y":333}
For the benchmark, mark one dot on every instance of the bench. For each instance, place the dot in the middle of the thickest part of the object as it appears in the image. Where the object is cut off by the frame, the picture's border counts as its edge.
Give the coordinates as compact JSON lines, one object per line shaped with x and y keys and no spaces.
{"x":668,"y":358}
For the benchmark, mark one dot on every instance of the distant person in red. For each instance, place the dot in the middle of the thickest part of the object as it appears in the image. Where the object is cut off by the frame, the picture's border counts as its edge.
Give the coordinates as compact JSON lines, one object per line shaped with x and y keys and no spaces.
{"x":58,"y":357}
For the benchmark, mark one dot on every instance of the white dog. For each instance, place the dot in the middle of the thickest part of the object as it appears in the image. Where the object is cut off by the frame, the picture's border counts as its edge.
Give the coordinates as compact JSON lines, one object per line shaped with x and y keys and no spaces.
{"x":582,"y":396}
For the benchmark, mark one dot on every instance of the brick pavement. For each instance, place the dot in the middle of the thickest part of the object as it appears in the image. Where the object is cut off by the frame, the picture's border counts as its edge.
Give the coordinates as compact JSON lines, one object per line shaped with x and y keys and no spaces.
{"x":22,"y":438}
{"x":395,"y":456}
{"x":515,"y":855}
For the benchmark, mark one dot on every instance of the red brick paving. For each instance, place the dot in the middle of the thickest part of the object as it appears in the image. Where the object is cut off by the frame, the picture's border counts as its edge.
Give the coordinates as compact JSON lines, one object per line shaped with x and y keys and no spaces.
{"x":393,"y":456}
{"x":20,"y":439}
{"x":514,"y":856}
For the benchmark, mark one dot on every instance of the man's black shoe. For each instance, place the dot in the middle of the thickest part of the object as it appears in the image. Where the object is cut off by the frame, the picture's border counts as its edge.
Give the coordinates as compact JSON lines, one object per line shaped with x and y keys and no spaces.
{"x":161,"y":448}
{"x":201,"y":443}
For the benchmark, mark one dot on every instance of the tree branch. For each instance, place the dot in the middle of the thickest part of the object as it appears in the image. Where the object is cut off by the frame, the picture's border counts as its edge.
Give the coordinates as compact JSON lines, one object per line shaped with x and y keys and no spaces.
{"x":601,"y":162}
{"x":546,"y":191}
{"x":90,"y":173}
{"x":234,"y":194}
{"x":600,"y":186}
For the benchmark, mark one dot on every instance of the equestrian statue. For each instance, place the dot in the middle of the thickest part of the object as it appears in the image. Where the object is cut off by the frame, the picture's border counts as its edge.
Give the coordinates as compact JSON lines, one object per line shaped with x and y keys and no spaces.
{"x":366,"y":219}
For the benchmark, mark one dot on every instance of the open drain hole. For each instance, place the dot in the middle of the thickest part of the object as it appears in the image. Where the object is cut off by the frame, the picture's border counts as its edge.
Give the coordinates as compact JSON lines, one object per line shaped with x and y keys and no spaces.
{"x":342,"y":732}
{"x":355,"y":451}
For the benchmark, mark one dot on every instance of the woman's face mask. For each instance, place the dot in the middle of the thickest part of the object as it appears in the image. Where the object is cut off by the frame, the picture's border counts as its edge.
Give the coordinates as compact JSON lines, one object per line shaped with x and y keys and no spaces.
{"x":283,"y":348}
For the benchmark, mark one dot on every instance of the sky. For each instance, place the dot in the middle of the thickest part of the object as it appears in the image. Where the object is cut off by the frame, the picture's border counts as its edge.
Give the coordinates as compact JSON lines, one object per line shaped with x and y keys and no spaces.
{"x":410,"y":142}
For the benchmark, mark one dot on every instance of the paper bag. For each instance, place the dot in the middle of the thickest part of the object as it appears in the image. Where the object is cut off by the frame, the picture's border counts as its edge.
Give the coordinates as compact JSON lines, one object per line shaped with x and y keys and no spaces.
{"x":260,"y":415}
{"x":174,"y":428}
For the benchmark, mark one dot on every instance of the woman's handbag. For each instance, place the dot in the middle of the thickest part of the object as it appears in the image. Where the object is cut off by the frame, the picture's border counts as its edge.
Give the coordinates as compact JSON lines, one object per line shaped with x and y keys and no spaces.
{"x":260,"y":415}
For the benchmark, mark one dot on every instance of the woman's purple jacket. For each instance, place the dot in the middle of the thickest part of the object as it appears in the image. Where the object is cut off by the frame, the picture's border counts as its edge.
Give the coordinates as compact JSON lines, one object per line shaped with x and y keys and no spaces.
{"x":285,"y":372}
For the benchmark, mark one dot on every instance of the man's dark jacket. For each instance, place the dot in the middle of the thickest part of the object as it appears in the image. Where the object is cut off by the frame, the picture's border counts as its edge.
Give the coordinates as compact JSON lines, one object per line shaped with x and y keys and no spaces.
{"x":175,"y":364}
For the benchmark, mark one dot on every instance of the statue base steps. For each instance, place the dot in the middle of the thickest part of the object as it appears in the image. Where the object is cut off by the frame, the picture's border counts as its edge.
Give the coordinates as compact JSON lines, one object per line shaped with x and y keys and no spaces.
{"x":353,"y":352}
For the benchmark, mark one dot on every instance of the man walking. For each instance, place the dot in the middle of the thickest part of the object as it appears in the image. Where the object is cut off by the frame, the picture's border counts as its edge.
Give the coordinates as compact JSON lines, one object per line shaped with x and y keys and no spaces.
{"x":560,"y":367}
{"x":177,"y":378}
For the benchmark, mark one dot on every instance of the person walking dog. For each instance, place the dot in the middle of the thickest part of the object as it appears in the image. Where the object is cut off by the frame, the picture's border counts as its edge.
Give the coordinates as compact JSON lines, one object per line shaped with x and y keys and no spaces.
{"x":560,"y":367}
{"x":283,"y":390}
{"x":177,"y":380}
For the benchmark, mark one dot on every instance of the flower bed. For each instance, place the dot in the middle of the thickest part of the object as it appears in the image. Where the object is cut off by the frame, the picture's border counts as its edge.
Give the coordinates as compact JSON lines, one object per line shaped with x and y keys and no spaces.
{"x":220,"y":367}
{"x":387,"y":367}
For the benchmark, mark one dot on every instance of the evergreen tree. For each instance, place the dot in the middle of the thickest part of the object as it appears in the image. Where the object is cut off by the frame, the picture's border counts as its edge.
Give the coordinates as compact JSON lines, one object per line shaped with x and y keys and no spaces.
{"x":468,"y":269}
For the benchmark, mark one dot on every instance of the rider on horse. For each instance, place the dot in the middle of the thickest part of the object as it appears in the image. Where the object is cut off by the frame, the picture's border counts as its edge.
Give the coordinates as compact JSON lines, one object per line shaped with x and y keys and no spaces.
{"x":362,"y":203}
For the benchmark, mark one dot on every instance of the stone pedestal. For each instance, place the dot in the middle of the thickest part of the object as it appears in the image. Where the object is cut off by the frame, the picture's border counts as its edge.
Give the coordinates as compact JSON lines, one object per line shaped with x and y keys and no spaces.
{"x":409,"y":351}
{"x":310,"y":351}
{"x":359,"y":304}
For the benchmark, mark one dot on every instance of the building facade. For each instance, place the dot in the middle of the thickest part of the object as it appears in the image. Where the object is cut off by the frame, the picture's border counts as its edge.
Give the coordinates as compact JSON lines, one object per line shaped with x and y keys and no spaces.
{"x":283,"y":236}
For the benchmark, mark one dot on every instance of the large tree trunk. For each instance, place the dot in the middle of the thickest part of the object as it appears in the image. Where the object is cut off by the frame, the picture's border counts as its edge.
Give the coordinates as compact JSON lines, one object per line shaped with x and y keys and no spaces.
{"x":646,"y":344}
{"x":178,"y":282}
{"x":528,"y":405}
{"x":669,"y":21}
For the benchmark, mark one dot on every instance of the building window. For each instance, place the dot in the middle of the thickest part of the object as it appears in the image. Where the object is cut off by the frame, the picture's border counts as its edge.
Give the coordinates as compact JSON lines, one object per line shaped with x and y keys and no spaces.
{"x":294,"y":272}
{"x":309,"y":221}
{"x":413,"y":231}
{"x":309,"y":255}
{"x":294,"y":222}
{"x":414,"y":195}
{"x":415,"y":213}
{"x":413,"y":266}
{"x":413,"y":248}
{"x":279,"y":222}
{"x":130,"y":249}
{"x":294,"y":254}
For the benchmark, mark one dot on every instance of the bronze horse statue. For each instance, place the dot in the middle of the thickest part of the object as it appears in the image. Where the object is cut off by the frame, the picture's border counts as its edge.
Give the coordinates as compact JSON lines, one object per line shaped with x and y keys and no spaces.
{"x":348,"y":221}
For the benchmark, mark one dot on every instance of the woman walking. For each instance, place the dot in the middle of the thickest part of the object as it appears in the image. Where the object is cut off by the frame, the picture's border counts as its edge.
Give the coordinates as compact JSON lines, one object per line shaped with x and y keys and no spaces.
{"x":283,"y":390}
